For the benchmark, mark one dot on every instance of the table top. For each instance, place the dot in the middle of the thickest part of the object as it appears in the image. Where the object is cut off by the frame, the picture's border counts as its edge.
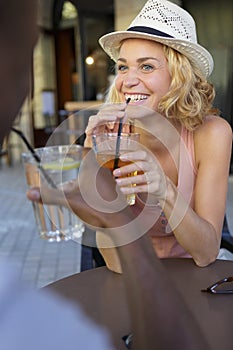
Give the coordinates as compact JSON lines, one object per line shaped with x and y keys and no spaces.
{"x":101,"y":294}
{"x":77,"y":105}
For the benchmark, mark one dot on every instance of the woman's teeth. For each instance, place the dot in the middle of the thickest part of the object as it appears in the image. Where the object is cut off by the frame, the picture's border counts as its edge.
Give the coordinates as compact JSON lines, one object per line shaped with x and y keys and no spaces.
{"x":136,"y":98}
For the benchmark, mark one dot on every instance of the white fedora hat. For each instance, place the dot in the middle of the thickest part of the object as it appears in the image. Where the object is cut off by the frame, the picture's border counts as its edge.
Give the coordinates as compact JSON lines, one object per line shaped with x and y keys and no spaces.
{"x":166,"y":23}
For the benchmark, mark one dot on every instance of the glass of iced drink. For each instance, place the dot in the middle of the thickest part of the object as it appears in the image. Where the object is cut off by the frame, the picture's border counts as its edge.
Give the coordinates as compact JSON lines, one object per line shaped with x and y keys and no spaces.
{"x":58,"y":165}
{"x":109,"y":147}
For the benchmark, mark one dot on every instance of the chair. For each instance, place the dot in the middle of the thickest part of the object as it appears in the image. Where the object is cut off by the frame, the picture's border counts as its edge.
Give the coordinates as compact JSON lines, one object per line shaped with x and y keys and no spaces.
{"x":90,"y":255}
{"x":4,"y":152}
{"x":227,"y":239}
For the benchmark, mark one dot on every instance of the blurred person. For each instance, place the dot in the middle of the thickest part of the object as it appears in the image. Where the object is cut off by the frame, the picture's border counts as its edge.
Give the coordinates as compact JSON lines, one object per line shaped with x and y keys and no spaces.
{"x":184,"y":164}
{"x":29,"y":319}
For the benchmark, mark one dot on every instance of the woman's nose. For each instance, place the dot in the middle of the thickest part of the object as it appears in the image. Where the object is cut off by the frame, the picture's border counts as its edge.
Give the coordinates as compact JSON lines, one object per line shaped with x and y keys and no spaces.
{"x":131,"y":79}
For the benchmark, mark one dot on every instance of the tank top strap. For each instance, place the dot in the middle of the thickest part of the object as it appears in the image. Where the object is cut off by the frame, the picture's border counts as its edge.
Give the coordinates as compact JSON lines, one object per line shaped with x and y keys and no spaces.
{"x":187,"y":166}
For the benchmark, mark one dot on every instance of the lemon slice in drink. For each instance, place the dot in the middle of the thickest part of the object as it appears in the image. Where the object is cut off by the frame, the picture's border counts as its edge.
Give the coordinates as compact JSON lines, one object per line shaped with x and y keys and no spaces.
{"x":63,"y":164}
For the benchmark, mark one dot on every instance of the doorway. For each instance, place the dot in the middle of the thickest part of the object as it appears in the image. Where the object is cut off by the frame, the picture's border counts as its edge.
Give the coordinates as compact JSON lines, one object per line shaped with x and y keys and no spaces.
{"x":82,"y":68}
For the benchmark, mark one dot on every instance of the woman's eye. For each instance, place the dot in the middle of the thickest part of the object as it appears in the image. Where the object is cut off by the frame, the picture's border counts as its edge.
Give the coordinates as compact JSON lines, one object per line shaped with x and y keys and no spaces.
{"x":121,"y":68}
{"x":147,"y":67}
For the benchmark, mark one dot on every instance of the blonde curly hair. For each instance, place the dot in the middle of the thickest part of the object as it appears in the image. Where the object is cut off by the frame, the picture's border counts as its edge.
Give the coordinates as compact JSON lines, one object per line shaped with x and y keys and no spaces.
{"x":190,"y":97}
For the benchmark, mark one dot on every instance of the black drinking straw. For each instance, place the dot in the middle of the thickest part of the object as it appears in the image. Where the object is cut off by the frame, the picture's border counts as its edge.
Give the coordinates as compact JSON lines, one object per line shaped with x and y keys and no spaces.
{"x":117,"y":153}
{"x":35,"y":156}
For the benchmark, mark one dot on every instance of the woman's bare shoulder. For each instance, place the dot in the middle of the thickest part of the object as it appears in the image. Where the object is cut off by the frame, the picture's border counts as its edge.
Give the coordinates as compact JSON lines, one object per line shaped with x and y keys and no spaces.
{"x":212,"y":127}
{"x":213,"y":137}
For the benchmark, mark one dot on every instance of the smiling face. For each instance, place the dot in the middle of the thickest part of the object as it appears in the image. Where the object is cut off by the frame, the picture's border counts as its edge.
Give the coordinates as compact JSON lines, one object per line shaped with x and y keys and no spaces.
{"x":142,"y":72}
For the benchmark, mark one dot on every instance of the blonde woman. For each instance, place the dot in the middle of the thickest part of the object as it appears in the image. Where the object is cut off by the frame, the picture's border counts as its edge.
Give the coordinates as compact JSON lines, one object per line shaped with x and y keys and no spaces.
{"x":184,"y":163}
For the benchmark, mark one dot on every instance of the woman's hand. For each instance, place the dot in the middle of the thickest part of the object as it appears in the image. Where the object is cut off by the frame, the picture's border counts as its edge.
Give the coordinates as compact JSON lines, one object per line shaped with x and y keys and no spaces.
{"x":149,"y":177}
{"x":106,"y":119}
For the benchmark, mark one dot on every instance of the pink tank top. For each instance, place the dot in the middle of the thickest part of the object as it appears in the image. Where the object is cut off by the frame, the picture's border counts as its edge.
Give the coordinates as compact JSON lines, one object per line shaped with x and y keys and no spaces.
{"x":163,"y":239}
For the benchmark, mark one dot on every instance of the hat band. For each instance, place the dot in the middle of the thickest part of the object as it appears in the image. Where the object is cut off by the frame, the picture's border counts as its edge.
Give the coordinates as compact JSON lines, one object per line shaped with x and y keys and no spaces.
{"x":149,"y":30}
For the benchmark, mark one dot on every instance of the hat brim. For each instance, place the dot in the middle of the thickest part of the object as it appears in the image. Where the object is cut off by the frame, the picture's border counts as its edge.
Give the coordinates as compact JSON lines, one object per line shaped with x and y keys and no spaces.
{"x":197,"y":54}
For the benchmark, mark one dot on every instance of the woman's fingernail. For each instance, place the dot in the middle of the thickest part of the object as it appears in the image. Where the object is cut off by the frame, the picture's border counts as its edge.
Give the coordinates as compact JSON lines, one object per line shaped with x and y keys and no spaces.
{"x":123,"y":157}
{"x":116,"y":172}
{"x":34,"y":194}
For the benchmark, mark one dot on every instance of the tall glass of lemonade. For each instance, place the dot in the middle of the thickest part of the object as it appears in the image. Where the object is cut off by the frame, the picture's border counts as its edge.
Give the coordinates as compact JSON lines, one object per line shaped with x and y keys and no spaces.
{"x":58,"y":165}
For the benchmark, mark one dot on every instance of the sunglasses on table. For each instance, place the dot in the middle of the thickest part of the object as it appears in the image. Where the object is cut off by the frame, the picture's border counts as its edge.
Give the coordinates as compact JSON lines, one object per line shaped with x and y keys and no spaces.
{"x":220,"y":287}
{"x":128,"y":340}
